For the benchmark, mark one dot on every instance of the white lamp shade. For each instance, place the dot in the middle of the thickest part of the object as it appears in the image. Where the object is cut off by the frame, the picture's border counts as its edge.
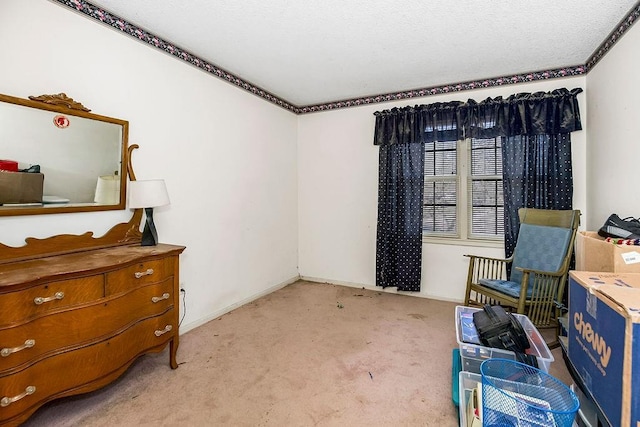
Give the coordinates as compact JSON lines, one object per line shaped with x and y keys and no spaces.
{"x":148,"y":194}
{"x":107,"y":190}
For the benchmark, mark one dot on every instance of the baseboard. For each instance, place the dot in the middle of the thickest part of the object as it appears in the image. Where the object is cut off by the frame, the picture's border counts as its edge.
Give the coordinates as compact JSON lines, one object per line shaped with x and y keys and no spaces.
{"x":199,"y":322}
{"x":390,"y":290}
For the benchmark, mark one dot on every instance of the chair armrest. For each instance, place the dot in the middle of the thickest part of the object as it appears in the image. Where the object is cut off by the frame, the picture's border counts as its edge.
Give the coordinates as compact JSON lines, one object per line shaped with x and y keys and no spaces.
{"x":545,"y":286}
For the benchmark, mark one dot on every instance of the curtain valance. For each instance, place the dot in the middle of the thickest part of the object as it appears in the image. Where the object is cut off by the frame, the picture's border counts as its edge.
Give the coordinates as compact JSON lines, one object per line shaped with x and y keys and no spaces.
{"x":538,"y":113}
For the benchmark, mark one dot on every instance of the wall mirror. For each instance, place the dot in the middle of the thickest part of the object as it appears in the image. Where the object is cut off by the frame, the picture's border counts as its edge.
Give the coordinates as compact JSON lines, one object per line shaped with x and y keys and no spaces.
{"x":67,"y":159}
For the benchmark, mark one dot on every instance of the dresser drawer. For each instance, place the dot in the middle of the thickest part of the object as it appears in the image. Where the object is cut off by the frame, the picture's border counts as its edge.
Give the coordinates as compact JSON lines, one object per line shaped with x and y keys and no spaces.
{"x":139,"y":274}
{"x":25,"y":304}
{"x":29,"y":389}
{"x":72,"y":328}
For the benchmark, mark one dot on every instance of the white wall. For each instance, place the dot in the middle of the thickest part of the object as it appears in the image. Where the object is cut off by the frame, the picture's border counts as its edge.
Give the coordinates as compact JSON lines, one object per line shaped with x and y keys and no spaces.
{"x":229,"y":158}
{"x":614,"y":132}
{"x":338,"y":196}
{"x":255,"y":190}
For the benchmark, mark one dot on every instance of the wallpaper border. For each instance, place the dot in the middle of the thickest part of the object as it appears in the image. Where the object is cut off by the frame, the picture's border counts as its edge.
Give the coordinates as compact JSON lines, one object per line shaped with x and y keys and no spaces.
{"x":126,"y":27}
{"x":120,"y":24}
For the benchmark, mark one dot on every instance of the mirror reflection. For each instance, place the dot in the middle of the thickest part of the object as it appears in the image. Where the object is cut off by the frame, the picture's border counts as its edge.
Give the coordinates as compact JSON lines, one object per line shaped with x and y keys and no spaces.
{"x":59,"y":159}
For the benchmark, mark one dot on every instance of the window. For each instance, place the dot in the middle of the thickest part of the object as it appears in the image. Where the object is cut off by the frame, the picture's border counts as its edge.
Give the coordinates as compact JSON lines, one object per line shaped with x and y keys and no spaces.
{"x":463,"y":189}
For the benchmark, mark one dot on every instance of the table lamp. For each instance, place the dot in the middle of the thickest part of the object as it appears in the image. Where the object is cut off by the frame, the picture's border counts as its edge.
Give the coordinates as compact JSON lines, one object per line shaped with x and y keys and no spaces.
{"x":148,"y":194}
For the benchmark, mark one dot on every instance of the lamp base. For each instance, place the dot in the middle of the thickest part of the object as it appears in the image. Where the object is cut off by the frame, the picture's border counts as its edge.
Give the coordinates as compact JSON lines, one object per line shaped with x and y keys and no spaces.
{"x":149,"y":234}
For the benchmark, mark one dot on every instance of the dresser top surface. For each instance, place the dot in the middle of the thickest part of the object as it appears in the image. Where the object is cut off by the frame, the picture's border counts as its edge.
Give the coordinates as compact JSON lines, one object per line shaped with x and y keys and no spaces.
{"x":60,"y":267}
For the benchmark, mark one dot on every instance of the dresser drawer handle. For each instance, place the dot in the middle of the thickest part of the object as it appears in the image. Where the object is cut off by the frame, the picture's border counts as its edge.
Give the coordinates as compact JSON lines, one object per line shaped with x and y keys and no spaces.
{"x":139,"y":274}
{"x":6,"y":401}
{"x":41,"y":300}
{"x":163,"y":331}
{"x":7,"y":351}
{"x":158,"y":299}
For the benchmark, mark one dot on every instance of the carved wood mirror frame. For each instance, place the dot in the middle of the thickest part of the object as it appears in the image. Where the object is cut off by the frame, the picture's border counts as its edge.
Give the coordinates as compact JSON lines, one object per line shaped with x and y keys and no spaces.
{"x":62,"y":110}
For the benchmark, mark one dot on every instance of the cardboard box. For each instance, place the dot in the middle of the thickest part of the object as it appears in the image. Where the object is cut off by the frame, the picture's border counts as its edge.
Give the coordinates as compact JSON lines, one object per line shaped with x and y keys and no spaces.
{"x":593,"y":253}
{"x":604,"y":341}
{"x":21,"y":187}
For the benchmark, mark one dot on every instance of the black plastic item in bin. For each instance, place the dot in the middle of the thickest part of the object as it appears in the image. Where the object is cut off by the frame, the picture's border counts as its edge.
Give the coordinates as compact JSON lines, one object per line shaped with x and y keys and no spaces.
{"x":515,"y":394}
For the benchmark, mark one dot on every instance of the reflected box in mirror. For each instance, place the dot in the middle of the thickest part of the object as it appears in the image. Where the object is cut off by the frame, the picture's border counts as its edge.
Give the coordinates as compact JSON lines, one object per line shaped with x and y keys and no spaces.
{"x":21,"y":187}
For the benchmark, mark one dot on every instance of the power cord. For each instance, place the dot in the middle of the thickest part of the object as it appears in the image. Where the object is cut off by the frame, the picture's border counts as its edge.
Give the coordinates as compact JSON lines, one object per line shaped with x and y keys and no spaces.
{"x":184,"y":305}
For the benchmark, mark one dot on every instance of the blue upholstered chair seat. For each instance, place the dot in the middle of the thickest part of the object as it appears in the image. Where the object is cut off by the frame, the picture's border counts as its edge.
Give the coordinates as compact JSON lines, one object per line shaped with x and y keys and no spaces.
{"x":506,"y":287}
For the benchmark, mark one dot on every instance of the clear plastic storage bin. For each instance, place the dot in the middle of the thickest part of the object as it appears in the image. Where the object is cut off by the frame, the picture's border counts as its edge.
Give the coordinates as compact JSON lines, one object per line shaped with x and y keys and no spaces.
{"x":467,"y":382}
{"x":472,"y":355}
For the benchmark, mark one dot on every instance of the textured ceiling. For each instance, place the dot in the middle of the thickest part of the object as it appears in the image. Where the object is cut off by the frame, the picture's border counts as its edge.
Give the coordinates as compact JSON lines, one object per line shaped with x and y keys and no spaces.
{"x":309,"y":53}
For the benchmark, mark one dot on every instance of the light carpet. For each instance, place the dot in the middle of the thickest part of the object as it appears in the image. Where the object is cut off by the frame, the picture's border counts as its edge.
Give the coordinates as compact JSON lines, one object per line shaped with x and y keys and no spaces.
{"x":309,"y":354}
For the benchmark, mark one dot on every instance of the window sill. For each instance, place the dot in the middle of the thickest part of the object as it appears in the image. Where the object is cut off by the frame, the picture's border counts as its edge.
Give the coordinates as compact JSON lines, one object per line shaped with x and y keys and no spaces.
{"x":463,"y":242}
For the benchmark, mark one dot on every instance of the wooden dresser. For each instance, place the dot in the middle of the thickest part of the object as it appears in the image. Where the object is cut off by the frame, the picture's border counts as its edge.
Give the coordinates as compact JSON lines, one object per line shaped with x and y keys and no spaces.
{"x":73,"y":322}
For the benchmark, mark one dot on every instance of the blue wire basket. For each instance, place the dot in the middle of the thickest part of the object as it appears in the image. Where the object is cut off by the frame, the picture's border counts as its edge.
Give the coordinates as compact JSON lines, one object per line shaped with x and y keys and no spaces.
{"x":518,"y":395}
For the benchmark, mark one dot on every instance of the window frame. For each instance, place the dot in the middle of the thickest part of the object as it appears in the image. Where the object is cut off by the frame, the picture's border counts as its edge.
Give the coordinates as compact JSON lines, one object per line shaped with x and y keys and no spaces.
{"x":464,"y":178}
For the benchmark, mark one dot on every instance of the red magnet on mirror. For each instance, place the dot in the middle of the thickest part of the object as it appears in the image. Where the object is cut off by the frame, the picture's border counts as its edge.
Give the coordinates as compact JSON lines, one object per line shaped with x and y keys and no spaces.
{"x":61,"y":121}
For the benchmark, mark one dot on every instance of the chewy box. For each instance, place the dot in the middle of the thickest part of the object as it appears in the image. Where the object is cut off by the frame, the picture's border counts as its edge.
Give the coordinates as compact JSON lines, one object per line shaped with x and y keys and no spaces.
{"x":472,"y":355}
{"x":604,"y":341}
{"x":593,"y":253}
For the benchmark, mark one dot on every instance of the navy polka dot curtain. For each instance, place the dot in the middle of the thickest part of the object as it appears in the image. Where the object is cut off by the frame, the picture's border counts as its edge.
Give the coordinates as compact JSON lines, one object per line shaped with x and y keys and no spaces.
{"x":537,"y":173}
{"x":400,"y":133}
{"x":399,"y":242}
{"x":537,"y":169}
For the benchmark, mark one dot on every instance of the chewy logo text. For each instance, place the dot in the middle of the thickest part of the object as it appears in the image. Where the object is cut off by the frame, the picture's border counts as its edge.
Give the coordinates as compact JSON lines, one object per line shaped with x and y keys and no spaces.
{"x":598,"y":342}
